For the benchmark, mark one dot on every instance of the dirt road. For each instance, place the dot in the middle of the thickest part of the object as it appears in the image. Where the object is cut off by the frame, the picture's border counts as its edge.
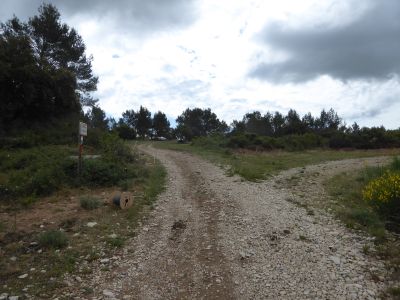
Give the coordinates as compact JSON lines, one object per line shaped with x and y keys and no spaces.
{"x":217,"y":237}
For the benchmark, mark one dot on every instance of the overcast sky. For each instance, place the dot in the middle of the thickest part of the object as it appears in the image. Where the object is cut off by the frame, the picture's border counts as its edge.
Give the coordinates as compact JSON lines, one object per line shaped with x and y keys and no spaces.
{"x":236,"y":56}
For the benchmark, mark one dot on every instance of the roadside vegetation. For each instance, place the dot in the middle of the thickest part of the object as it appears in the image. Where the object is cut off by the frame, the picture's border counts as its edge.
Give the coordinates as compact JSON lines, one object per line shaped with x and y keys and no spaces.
{"x":369,"y":200}
{"x":55,"y":221}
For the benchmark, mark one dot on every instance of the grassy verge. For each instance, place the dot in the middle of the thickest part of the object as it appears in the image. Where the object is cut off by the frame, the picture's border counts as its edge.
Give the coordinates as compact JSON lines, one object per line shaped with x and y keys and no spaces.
{"x":346,"y":190}
{"x":259,"y":165}
{"x":34,"y":263}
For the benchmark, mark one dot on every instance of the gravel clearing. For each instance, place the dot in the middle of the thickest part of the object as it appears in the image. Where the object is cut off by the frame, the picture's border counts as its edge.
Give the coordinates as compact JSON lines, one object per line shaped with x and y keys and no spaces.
{"x":217,"y":237}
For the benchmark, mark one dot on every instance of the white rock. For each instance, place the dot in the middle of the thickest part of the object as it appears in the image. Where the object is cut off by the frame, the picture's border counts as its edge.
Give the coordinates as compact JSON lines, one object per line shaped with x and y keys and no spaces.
{"x":108,"y":293}
{"x":91,"y":224}
{"x":105,"y":260}
{"x":113,"y":236}
{"x":13,"y":298}
{"x":335,"y":259}
{"x":23,"y":276}
{"x":13,"y":258}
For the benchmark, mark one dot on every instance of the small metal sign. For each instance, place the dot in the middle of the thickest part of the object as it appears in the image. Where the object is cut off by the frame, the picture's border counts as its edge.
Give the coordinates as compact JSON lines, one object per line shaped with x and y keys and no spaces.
{"x":82,"y":129}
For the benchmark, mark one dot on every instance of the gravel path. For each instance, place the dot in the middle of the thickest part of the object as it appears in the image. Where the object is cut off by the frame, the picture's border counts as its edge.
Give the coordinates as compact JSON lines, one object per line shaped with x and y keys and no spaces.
{"x":217,"y":237}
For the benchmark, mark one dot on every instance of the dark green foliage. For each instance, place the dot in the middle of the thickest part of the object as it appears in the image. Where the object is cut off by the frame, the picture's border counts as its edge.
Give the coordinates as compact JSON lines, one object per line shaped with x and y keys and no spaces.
{"x":125,"y":132}
{"x":340,"y":140}
{"x":143,"y":122}
{"x":44,"y":72}
{"x":198,"y":122}
{"x":290,"y":132}
{"x":133,"y":123}
{"x":161,"y":126}
{"x":289,"y":142}
{"x":293,"y":123}
{"x":53,"y":239}
{"x":97,"y":118}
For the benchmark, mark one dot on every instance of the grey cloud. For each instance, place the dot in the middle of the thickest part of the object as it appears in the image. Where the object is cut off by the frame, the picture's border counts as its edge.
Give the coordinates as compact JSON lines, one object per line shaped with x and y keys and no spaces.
{"x":376,"y":109}
{"x":127,"y":15}
{"x":367,"y":48}
{"x":115,"y":56}
{"x":191,"y":90}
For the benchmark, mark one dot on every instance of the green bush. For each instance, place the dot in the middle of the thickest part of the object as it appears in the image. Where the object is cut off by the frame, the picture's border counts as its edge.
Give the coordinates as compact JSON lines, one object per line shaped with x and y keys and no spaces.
{"x":42,"y":170}
{"x":89,"y":202}
{"x":53,"y":239}
{"x":116,"y":242}
{"x":99,"y":172}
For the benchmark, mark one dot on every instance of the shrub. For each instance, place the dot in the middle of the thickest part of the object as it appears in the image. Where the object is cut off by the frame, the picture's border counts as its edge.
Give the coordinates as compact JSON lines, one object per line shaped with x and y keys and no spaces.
{"x":116,"y":242}
{"x":238,"y":141}
{"x":383,"y":193}
{"x":89,"y":203}
{"x":99,"y":172}
{"x":53,"y":239}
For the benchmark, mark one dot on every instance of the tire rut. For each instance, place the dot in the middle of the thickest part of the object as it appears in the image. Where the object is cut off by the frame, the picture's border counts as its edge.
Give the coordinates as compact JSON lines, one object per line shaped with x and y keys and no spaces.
{"x":177,"y":254}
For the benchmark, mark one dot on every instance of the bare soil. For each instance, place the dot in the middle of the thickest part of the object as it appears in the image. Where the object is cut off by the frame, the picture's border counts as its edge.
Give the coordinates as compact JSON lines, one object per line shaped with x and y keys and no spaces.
{"x":51,"y":212}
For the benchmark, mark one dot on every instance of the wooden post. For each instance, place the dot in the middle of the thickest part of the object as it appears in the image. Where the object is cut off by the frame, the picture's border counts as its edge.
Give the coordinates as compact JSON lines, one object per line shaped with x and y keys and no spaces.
{"x":82,"y":133}
{"x":80,"y":155}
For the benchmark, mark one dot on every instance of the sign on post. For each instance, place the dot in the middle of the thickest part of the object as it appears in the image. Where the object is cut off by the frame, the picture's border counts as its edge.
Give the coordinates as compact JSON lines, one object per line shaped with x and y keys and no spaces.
{"x":82,"y":129}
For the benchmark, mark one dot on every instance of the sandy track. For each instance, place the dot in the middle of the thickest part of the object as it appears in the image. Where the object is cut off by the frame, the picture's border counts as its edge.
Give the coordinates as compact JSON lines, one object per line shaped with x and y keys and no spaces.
{"x":217,"y":237}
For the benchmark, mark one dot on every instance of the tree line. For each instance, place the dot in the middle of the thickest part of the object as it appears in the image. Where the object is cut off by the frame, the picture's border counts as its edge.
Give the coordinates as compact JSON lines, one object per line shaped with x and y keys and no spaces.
{"x":141,"y":124}
{"x":254,"y":131}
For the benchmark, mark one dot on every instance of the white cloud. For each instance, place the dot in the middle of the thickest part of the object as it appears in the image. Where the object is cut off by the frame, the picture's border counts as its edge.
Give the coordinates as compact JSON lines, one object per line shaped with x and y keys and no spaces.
{"x":202,"y":60}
